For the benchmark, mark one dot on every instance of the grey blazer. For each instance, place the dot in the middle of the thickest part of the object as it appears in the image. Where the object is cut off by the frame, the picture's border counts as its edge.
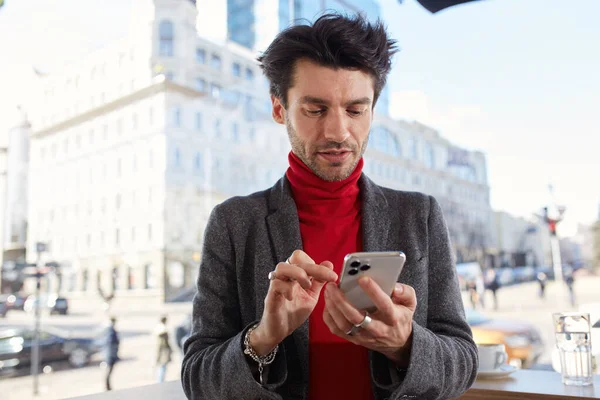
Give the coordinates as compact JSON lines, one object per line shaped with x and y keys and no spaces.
{"x":247,"y":236}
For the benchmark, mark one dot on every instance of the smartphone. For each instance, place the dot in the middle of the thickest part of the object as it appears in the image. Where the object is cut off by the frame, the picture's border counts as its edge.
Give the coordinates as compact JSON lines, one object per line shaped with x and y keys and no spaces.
{"x":383,"y":267}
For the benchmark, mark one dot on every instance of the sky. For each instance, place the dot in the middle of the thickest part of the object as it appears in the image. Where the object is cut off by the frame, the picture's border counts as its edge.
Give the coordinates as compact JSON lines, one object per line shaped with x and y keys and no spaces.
{"x":518,"y":80}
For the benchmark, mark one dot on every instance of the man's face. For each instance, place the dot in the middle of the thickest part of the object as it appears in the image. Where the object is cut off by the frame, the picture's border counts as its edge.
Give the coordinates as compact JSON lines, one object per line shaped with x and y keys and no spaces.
{"x":328,"y":117}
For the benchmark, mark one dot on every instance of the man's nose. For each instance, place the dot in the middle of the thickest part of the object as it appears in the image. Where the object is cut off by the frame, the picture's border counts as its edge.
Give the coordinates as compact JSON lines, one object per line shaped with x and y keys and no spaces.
{"x":336,"y":127}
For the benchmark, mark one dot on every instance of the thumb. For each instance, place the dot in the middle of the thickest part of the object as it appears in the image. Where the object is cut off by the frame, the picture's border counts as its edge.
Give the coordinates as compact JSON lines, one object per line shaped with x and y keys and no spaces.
{"x":327,"y":264}
{"x":404,"y":295}
{"x":318,"y":285}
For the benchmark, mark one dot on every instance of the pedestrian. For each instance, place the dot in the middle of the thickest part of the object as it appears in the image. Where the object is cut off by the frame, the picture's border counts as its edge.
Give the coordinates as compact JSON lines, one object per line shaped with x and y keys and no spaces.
{"x":473,"y":293}
{"x":542,"y":279}
{"x":111,"y":350}
{"x":164,"y":352}
{"x":493,"y":284}
{"x":269,"y":320}
{"x":570,"y":282}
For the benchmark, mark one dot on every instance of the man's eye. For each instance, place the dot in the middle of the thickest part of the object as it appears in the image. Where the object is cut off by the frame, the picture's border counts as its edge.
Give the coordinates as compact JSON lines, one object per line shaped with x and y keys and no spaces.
{"x":354,"y":112}
{"x":316,"y":112}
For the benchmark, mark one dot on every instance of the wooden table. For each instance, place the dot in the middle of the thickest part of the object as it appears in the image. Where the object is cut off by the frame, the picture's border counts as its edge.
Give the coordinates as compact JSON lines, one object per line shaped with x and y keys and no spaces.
{"x":522,"y":385}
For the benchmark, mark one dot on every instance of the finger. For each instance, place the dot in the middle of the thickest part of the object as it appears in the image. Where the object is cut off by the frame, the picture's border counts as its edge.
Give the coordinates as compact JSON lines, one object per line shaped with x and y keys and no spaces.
{"x":342,"y":324}
{"x":317,"y":283}
{"x":339,"y":301}
{"x":300,"y":257}
{"x":405,"y":295}
{"x":282,"y":288}
{"x":350,"y":313}
{"x":284,"y":271}
{"x":321,"y":272}
{"x":332,"y":325}
{"x":386,"y":309}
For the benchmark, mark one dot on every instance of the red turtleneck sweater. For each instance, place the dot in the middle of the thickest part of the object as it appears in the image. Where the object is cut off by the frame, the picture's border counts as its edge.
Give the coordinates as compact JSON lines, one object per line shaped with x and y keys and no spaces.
{"x":330,"y":227}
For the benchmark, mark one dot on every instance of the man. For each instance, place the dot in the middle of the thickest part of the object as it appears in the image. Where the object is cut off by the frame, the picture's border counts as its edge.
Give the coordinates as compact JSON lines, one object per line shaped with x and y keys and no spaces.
{"x":111,"y":350}
{"x":269,"y":321}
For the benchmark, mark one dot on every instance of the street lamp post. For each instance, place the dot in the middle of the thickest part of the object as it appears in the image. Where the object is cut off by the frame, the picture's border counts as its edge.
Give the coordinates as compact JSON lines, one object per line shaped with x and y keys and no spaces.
{"x":35,"y":349}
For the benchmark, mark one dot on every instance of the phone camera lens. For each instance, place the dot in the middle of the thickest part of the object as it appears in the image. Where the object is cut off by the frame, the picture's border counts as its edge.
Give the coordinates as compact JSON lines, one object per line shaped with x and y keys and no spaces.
{"x":355,"y":264}
{"x":353,"y":271}
{"x":365,"y":267}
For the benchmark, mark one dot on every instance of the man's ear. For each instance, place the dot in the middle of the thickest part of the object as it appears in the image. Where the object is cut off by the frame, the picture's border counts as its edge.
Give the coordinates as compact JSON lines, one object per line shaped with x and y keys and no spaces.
{"x":278,"y":110}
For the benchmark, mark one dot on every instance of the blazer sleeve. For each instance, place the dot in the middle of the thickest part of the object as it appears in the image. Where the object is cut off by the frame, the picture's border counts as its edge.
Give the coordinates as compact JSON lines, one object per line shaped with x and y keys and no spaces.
{"x":214,"y":365}
{"x":444,"y":357}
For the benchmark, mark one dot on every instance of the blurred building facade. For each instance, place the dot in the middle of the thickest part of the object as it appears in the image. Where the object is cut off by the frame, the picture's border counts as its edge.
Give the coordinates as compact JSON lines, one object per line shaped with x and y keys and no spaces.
{"x":132,"y":148}
{"x":521,"y":242}
{"x":14,"y":165}
{"x":253,"y":24}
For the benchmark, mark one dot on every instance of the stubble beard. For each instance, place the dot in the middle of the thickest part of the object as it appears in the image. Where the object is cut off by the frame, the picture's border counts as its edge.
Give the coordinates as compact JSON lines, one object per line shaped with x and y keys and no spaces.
{"x":299,"y":148}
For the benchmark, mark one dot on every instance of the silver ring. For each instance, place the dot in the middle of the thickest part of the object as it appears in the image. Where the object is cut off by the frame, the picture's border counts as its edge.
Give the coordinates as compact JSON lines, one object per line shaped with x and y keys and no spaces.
{"x":287,"y":261}
{"x":365,"y":322}
{"x":271,"y":275}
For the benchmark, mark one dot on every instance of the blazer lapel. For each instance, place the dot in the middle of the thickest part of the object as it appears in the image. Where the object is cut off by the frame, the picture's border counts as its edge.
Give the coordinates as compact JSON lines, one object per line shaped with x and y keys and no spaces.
{"x":376,"y":224}
{"x":284,"y":233}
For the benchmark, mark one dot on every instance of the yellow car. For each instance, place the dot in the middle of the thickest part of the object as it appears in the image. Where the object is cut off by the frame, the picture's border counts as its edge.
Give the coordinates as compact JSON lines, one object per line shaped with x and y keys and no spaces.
{"x":522,"y":340}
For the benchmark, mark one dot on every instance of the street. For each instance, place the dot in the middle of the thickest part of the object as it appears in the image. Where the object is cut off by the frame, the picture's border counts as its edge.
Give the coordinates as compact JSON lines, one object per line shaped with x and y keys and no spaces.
{"x":137,"y":318}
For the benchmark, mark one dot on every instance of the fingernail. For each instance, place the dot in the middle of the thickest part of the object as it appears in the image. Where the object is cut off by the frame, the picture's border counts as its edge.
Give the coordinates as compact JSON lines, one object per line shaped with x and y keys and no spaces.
{"x":399,"y":289}
{"x":364,"y":280}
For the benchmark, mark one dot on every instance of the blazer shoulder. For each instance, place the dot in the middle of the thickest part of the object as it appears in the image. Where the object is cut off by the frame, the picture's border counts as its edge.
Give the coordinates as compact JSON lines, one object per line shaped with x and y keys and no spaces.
{"x":244,"y":206}
{"x":407,"y":198}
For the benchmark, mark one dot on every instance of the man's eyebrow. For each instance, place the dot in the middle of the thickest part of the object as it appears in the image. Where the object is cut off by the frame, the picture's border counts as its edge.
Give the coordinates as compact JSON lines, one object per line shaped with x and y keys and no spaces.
{"x":317,"y":100}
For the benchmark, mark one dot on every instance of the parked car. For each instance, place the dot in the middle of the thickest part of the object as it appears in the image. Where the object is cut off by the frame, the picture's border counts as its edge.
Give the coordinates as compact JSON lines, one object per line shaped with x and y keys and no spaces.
{"x":15,"y":301}
{"x":522,"y":340}
{"x":16,"y":346}
{"x":52,"y":303}
{"x":3,"y":308}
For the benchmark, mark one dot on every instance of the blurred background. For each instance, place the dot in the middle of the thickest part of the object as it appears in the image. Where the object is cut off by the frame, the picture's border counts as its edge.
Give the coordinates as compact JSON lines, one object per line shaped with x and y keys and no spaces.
{"x":124,"y":122}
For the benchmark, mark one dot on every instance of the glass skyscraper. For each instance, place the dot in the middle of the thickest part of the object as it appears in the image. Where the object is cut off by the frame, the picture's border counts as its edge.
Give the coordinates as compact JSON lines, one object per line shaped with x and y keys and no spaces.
{"x":254,"y":23}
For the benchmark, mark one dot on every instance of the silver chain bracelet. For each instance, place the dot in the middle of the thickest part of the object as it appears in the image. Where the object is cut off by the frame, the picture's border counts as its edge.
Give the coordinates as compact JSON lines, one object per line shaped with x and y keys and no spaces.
{"x":262,"y":361}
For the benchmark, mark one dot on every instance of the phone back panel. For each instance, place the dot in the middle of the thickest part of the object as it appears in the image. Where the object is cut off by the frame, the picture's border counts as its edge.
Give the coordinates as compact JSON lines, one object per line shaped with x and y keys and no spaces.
{"x":383,"y":267}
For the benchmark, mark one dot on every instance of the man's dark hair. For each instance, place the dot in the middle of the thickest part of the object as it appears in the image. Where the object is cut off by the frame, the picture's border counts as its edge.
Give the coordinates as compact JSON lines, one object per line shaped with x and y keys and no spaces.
{"x":335,"y":41}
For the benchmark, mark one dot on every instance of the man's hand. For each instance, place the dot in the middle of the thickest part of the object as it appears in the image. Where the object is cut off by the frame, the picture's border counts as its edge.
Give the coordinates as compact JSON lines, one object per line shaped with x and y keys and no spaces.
{"x":390,"y":331}
{"x":292,"y":296}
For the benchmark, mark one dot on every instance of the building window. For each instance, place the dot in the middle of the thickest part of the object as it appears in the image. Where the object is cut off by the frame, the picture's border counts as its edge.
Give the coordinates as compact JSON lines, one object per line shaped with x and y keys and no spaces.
{"x":217,"y":127}
{"x":177,"y":157}
{"x":177,"y":117}
{"x":169,"y":75}
{"x":215,"y":90}
{"x":118,"y":202}
{"x":198,"y":120}
{"x":236,"y":69}
{"x":234,"y":132}
{"x":149,"y":231}
{"x":200,"y":84}
{"x":198,"y":161}
{"x":166,"y":35}
{"x":429,"y":156}
{"x":215,"y":61}
{"x":412,"y":146}
{"x":200,"y":56}
{"x":249,"y":74}
{"x":117,"y":237}
{"x":133,"y":235}
{"x":252,"y":134}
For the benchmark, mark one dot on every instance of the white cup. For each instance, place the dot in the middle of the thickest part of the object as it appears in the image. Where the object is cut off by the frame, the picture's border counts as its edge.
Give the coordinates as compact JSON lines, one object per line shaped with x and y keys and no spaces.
{"x":491,"y":356}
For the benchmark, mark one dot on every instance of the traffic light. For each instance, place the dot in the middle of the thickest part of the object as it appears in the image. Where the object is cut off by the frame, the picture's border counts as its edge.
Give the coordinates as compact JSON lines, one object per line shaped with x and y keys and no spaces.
{"x":552,"y":227}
